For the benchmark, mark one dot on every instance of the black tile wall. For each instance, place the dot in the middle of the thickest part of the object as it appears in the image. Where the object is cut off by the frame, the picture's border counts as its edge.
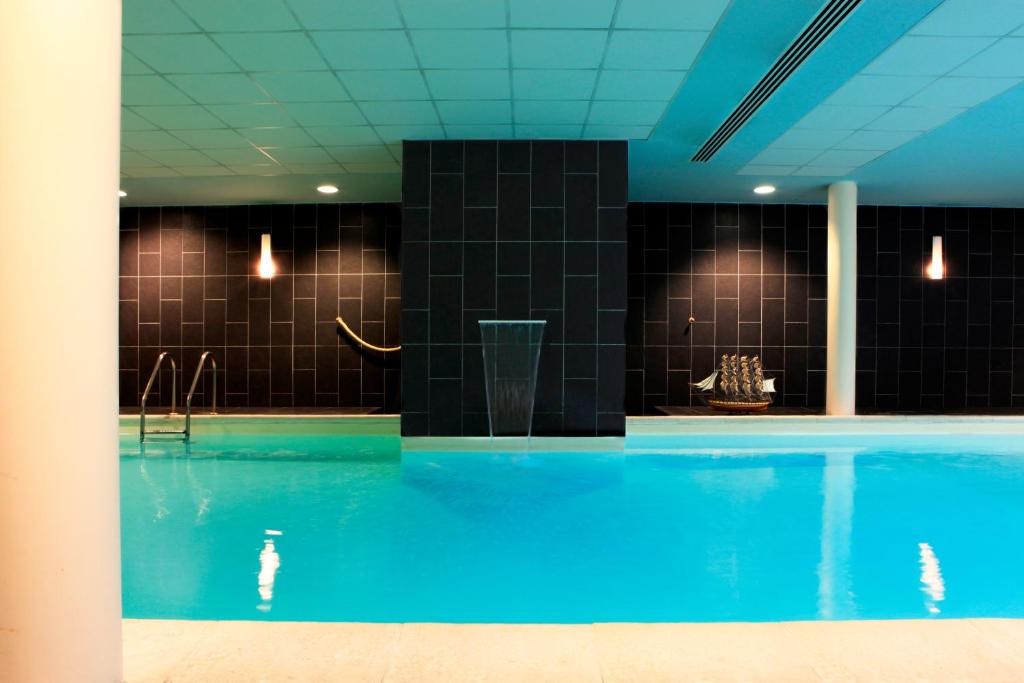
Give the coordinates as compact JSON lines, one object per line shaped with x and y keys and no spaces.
{"x":514,"y":230}
{"x":752,"y":276}
{"x":188,"y":284}
{"x":940,"y":345}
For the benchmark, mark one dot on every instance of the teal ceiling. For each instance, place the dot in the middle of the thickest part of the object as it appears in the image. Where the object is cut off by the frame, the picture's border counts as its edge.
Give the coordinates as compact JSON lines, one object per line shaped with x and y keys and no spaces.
{"x":917,"y":100}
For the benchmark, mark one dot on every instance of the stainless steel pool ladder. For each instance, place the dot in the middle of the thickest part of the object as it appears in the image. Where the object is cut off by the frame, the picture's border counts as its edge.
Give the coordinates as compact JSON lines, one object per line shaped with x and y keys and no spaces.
{"x":187,"y":431}
{"x":192,"y":391}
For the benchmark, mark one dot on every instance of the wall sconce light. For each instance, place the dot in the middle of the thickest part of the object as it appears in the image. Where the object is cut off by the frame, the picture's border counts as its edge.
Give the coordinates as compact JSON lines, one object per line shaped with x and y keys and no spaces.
{"x":935,"y":269}
{"x":266,"y":267}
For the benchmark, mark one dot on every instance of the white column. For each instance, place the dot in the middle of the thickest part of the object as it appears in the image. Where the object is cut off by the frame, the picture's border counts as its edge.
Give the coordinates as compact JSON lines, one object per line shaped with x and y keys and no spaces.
{"x":60,"y":592}
{"x":841,"y":359}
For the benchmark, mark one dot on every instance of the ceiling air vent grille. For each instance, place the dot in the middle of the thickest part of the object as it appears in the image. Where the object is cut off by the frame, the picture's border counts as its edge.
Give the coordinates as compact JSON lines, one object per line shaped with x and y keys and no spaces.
{"x":826,"y":21}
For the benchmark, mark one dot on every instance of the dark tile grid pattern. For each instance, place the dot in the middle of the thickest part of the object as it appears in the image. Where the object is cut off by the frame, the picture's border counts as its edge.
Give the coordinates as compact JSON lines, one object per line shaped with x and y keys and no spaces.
{"x":188,"y":284}
{"x":951,"y":344}
{"x":754,"y":278}
{"x":514,"y":230}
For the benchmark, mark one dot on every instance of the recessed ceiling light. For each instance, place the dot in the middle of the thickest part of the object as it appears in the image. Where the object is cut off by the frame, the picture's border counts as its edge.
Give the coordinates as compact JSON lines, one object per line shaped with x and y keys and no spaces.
{"x":122,"y":193}
{"x":764,"y":189}
{"x":327,"y":189}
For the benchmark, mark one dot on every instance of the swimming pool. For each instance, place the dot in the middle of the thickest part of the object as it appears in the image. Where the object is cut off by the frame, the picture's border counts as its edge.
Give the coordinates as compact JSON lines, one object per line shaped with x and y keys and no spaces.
{"x":325,"y":527}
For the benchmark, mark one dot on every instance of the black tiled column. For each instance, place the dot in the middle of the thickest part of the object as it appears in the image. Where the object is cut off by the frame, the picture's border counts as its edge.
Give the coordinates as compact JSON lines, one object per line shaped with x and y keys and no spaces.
{"x":514,"y":229}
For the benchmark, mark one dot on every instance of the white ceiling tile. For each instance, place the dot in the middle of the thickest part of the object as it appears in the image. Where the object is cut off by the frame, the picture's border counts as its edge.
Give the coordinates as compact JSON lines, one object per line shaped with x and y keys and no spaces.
{"x":302,"y":86}
{"x":267,"y":169}
{"x":150,"y":90}
{"x":394,"y":113}
{"x":954,"y":91}
{"x":914,"y":118}
{"x":548,"y":131}
{"x":367,"y":154}
{"x":154,"y":16}
{"x":846,"y":157}
{"x":625,"y":113}
{"x":492,"y":131}
{"x":972,"y":18}
{"x":277,"y":137}
{"x":385,"y":85}
{"x":605,"y":132}
{"x":219,"y":88}
{"x":316,"y":169}
{"x":338,"y":136}
{"x":180,"y":54}
{"x":145,"y":141}
{"x":475,"y":111}
{"x":135,"y":160}
{"x":798,"y":138}
{"x":213,"y":139}
{"x":380,"y":167}
{"x":774,"y":156}
{"x":155,"y":172}
{"x":640,"y":85}
{"x":553,"y":84}
{"x":551,"y":112}
{"x":392,"y":134}
{"x":325,"y":114}
{"x":695,"y":15}
{"x":132,"y":121}
{"x":1005,"y":59}
{"x":865,"y":89}
{"x":453,"y":13}
{"x":301,"y":155}
{"x":366,"y":49}
{"x":465,"y":84}
{"x":271,"y":51}
{"x":557,"y":49}
{"x":457,"y":49}
{"x":766,"y":170}
{"x":829,"y":117}
{"x":653,"y":49}
{"x":823,"y":171}
{"x":251,"y":15}
{"x":243,"y":155}
{"x":251,"y":115}
{"x":877,"y":139}
{"x":322,"y":15}
{"x":131,"y":66}
{"x":926,"y":55}
{"x":175,"y":117}
{"x":203,"y":171}
{"x":561,"y":14}
{"x":181,"y":157}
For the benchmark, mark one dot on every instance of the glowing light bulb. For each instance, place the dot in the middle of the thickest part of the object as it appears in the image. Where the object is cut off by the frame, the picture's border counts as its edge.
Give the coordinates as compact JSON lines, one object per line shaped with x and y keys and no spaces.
{"x":764,"y":189}
{"x":122,"y":193}
{"x":936,"y":270}
{"x":327,"y":189}
{"x":266,"y":267}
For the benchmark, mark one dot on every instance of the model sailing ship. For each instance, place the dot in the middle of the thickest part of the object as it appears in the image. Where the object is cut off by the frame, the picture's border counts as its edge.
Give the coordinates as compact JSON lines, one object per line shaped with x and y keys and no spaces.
{"x":738,"y":385}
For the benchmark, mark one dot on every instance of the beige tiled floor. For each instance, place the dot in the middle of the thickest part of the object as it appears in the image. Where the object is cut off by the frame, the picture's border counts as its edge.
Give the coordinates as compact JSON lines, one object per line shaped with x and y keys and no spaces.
{"x":922,"y":651}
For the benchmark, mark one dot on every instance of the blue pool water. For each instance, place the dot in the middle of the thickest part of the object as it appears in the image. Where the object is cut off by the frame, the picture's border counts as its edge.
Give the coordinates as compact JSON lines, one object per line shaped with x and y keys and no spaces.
{"x":352,"y":529}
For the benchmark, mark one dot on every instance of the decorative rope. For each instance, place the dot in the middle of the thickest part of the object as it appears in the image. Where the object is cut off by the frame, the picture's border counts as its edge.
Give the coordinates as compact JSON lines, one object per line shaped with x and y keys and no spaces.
{"x":362,"y":342}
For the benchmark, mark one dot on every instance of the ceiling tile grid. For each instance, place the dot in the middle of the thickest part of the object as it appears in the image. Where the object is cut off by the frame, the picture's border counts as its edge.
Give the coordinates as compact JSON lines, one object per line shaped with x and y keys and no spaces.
{"x":287,"y":83}
{"x":954,"y":59}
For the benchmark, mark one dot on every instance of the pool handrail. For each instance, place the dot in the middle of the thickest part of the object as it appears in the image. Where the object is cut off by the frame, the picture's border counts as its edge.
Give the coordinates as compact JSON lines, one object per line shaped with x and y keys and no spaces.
{"x":149,"y":387}
{"x":192,"y":391}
